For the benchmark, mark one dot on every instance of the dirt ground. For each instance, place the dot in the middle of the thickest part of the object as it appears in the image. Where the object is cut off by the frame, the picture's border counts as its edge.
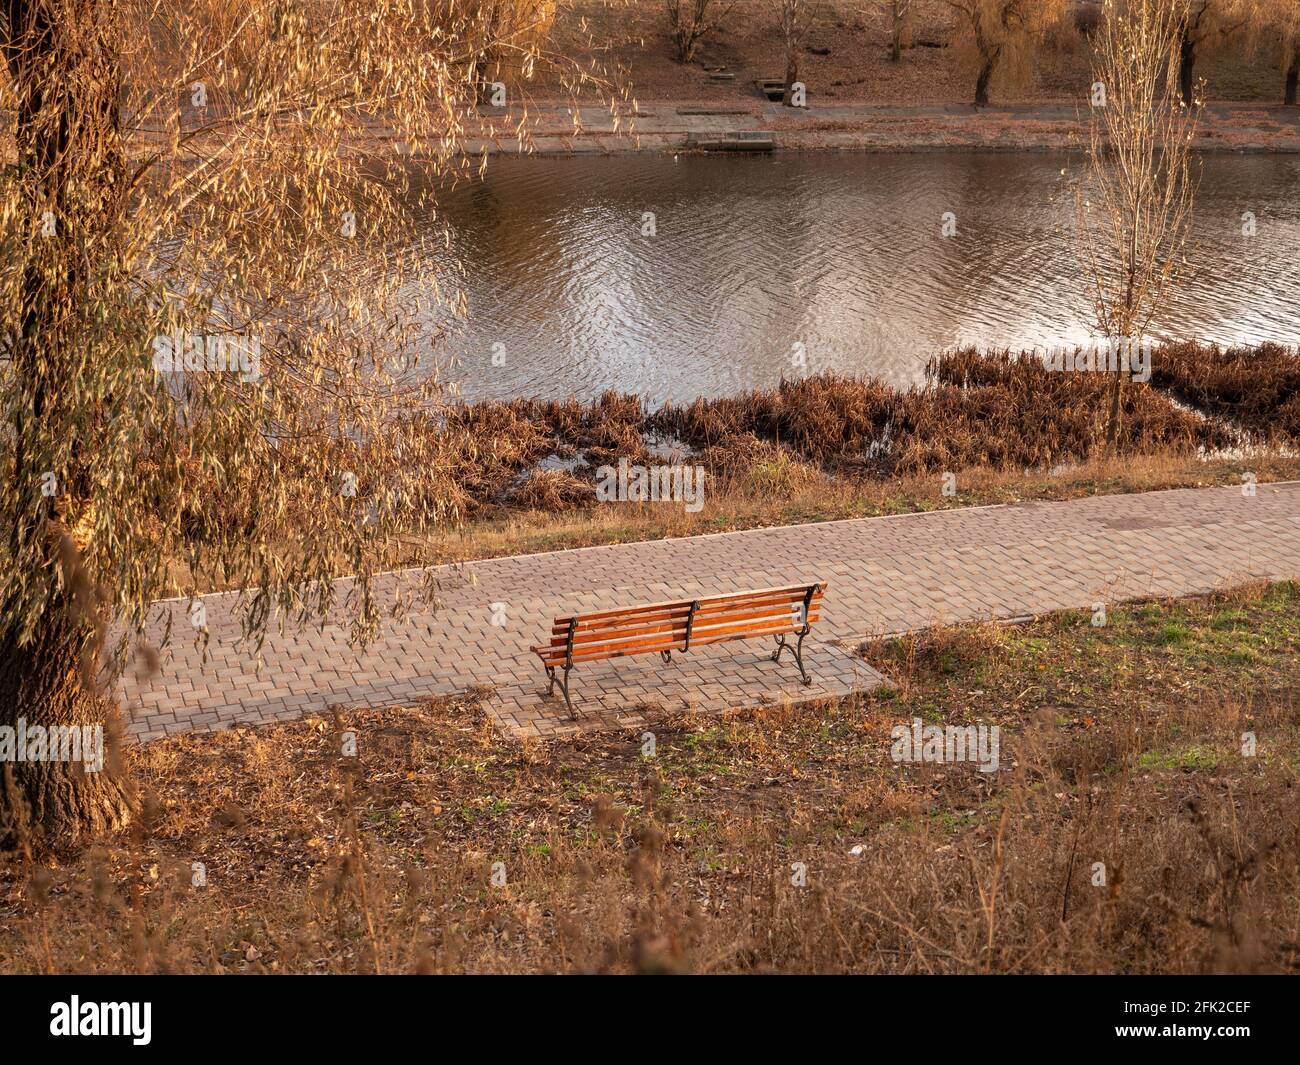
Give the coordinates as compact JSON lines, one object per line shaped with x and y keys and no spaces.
{"x":632,"y":37}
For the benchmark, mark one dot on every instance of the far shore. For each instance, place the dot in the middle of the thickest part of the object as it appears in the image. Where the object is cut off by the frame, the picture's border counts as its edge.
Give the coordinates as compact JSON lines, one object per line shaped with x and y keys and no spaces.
{"x":662,"y":126}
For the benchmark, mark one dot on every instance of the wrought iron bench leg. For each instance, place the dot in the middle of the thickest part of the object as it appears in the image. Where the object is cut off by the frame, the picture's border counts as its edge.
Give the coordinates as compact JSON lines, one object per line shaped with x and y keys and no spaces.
{"x":797,"y":648}
{"x":564,"y":684}
{"x":564,"y":688}
{"x":798,"y":658}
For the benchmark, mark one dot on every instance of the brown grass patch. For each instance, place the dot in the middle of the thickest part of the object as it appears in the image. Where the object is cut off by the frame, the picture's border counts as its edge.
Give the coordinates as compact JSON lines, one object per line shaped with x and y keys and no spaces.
{"x":982,"y":409}
{"x":1256,"y":387}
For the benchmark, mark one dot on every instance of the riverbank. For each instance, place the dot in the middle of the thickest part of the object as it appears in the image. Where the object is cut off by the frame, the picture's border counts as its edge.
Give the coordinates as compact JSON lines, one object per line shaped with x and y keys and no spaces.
{"x":524,"y":476}
{"x":860,"y":97}
{"x":770,"y":496}
{"x":670,"y":126}
{"x":846,"y":57}
{"x":998,"y":410}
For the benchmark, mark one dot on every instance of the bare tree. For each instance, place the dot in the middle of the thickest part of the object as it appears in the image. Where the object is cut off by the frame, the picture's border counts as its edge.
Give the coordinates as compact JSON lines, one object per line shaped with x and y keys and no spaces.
{"x":1134,"y":211}
{"x":1001,"y":34}
{"x":690,"y":21}
{"x":899,"y":13}
{"x":796,"y":16}
{"x":198,"y":386}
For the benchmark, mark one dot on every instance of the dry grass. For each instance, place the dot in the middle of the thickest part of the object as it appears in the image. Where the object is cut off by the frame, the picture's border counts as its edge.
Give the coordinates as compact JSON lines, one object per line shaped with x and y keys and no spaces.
{"x":817,"y":449}
{"x":785,"y":491}
{"x":1258,"y":388}
{"x":994,"y":409}
{"x":981,"y":410}
{"x":1121,"y":745}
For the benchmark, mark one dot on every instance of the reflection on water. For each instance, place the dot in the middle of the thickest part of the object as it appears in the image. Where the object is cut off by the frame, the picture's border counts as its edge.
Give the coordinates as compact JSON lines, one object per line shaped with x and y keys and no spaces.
{"x":839,"y":253}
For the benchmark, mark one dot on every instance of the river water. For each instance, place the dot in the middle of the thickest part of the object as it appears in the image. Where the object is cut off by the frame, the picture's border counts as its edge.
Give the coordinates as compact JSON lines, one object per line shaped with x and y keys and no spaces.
{"x":764,"y":266}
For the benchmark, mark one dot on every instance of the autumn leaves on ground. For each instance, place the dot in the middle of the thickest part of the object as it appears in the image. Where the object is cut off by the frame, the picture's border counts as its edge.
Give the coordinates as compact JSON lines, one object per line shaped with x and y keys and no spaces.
{"x":1130,"y":826}
{"x":1241,"y":49}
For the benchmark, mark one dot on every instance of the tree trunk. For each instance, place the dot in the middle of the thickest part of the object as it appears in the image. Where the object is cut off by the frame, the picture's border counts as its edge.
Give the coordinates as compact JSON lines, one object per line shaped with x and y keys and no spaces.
{"x":43,"y":684}
{"x":71,"y":162}
{"x":982,"y":82}
{"x":1113,"y":420}
{"x":791,"y":74}
{"x":1187,"y":70}
{"x":1293,"y":80}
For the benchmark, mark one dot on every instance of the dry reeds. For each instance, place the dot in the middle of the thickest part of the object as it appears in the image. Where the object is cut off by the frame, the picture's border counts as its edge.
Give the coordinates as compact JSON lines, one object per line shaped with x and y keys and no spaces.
{"x":994,"y":409}
{"x":1257,"y":387}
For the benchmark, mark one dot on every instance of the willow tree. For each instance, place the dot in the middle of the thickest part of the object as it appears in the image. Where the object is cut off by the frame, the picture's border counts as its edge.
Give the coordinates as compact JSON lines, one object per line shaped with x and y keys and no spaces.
{"x":199,"y":384}
{"x":1204,"y":26}
{"x":1000,"y":36}
{"x":1275,"y":30}
{"x":1135,"y":207}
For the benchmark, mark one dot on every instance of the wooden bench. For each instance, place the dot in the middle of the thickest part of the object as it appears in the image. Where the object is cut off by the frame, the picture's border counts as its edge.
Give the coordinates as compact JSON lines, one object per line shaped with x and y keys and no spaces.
{"x":681,"y":625}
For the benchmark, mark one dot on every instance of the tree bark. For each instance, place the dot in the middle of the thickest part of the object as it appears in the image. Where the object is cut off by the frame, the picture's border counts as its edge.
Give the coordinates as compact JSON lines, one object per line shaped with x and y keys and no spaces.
{"x":791,"y":74}
{"x":1187,"y":69}
{"x":1293,"y":80}
{"x":43,"y":683}
{"x":1113,"y":420}
{"x":65,"y":75}
{"x":982,"y":82}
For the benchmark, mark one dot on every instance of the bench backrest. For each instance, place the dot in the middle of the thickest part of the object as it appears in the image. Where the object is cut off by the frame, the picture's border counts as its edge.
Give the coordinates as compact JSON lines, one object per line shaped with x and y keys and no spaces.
{"x":682,"y":624}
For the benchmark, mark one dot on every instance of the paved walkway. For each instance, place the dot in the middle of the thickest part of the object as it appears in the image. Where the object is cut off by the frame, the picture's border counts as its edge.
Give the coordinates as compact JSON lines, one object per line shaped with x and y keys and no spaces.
{"x":665,"y":125}
{"x":885,"y":575}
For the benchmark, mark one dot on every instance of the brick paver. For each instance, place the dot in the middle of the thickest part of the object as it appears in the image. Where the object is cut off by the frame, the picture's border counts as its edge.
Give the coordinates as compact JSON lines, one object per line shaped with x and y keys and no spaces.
{"x":885,"y":575}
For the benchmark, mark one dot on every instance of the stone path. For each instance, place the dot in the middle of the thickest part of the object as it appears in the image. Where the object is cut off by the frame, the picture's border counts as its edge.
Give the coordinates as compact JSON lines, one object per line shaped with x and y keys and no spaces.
{"x":885,"y":575}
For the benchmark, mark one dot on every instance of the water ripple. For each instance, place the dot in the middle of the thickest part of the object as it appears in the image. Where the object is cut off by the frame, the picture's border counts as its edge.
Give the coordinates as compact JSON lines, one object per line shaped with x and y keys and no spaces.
{"x":838,"y":256}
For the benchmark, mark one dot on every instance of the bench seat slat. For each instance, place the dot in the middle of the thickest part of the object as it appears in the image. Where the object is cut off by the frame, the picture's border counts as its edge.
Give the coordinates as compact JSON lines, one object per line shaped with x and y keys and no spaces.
{"x":682,"y":610}
{"x":672,"y":639}
{"x":677,"y":629}
{"x":661,"y":643}
{"x":704,"y":601}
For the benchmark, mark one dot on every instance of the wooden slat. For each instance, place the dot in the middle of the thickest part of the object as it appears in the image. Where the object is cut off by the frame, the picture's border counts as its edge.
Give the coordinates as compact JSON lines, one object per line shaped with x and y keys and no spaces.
{"x":623,"y":650}
{"x":673,"y":611}
{"x":655,"y":627}
{"x":678,"y":625}
{"x":619,"y":650}
{"x":586,"y":636}
{"x":629,"y":611}
{"x":675,"y":639}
